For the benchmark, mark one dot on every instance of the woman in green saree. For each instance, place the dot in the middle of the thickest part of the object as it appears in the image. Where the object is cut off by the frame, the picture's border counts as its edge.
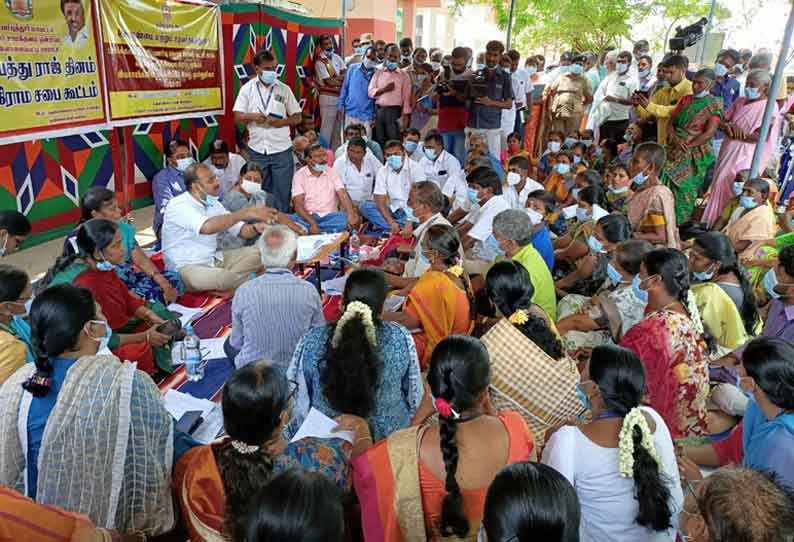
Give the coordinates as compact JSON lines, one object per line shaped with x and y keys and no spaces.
{"x":694,"y":122}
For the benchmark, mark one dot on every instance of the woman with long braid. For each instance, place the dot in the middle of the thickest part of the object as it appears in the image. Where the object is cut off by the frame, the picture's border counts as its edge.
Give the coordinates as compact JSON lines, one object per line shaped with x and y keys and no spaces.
{"x":435,"y":478}
{"x":671,"y":343}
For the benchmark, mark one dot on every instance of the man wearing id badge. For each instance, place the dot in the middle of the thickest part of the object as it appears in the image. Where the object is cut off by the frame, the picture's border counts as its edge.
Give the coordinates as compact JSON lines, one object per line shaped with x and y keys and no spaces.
{"x":268,"y":107}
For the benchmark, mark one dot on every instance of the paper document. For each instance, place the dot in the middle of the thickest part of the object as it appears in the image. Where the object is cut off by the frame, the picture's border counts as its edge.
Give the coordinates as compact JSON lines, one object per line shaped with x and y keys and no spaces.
{"x":309,"y":246}
{"x":393,"y":303}
{"x":210,"y":349}
{"x":334,"y":286}
{"x":569,"y":212}
{"x":187,"y":313}
{"x":318,"y":425}
{"x":177,"y":403}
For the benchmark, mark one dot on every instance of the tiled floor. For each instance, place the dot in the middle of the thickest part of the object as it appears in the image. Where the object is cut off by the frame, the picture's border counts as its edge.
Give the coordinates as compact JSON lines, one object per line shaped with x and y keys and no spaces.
{"x":36,"y":260}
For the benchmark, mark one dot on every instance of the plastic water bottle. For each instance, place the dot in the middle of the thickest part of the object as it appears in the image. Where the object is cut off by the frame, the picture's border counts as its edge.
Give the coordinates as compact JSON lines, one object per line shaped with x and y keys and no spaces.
{"x":191,"y":353}
{"x":354,"y":244}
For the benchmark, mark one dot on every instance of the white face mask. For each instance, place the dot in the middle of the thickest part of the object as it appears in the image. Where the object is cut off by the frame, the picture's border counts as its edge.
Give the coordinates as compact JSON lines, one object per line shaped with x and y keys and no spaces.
{"x":513,"y":178}
{"x":251,"y":187}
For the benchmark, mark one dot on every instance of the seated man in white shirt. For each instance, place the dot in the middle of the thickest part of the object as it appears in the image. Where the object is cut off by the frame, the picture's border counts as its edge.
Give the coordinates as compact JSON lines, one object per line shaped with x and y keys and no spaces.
{"x":427,"y":203}
{"x":317,"y":192}
{"x":191,"y":226}
{"x":412,"y":144}
{"x":518,"y":186}
{"x":224,"y":164}
{"x":477,"y":229}
{"x":357,"y":167}
{"x":358,"y":130}
{"x":392,"y":187}
{"x":439,"y":166}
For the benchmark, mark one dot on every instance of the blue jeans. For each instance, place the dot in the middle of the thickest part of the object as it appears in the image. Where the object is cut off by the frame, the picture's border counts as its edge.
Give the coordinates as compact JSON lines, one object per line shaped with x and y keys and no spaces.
{"x":278,"y":169}
{"x":455,"y":144}
{"x":330,"y":223}
{"x":369,"y":210}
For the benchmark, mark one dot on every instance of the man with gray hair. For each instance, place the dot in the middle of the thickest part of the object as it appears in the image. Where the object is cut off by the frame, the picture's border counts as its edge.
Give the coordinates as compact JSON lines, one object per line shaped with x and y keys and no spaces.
{"x":512,"y":229}
{"x":273,"y":311}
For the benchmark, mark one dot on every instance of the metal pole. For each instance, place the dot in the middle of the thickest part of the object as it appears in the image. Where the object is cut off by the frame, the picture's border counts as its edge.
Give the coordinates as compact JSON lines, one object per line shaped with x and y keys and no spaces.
{"x":342,"y":42}
{"x":771,"y":103}
{"x":706,"y":35}
{"x":510,"y":22}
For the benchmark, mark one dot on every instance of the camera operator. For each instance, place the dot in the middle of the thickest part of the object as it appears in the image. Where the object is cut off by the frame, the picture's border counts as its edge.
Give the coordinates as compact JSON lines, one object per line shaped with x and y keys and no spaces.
{"x":492,"y":91}
{"x":451,"y":99}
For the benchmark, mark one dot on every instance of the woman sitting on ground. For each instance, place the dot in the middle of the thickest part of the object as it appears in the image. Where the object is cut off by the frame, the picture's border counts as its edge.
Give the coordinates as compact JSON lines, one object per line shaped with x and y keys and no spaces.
{"x":753,"y":221}
{"x":619,"y":188}
{"x":435,"y":477}
{"x":530,"y":501}
{"x":529,"y":373}
{"x":96,"y":438}
{"x":671,"y":343}
{"x":622,"y":462}
{"x":359,"y":365}
{"x":134,"y":322}
{"x":609,"y":315}
{"x":16,"y":295}
{"x":215,"y":483}
{"x":439,"y":303}
{"x":136,"y":270}
{"x":590,"y":274}
{"x":570,"y":248}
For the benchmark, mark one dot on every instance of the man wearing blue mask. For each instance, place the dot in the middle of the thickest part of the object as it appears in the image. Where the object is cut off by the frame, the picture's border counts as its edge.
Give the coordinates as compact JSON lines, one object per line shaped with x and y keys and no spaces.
{"x":268,"y":107}
{"x":569,"y":94}
{"x":391,"y":89}
{"x":617,"y":88}
{"x":355,"y":106}
{"x":476,"y":231}
{"x":317,"y":193}
{"x":191,"y":226}
{"x":389,"y":210}
{"x":329,"y":74}
{"x":169,"y":182}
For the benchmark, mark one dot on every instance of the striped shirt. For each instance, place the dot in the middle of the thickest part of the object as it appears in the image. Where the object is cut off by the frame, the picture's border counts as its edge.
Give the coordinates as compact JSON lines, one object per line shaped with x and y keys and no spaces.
{"x":270,"y":314}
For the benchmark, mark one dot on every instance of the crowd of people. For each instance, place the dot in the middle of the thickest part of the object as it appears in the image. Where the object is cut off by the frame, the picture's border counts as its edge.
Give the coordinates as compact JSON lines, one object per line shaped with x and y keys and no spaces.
{"x":597,"y":309}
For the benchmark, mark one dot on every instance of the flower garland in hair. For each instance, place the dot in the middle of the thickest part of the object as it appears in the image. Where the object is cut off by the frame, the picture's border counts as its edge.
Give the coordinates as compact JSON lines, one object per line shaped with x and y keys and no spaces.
{"x":356,"y":309}
{"x":694,"y":312}
{"x":456,"y":270}
{"x":519,"y":317}
{"x":635,"y":417}
{"x":243,"y":448}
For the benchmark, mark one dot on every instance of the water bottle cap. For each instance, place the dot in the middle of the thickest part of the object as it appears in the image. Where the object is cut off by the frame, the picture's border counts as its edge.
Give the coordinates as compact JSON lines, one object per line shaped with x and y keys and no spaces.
{"x":189,"y":328}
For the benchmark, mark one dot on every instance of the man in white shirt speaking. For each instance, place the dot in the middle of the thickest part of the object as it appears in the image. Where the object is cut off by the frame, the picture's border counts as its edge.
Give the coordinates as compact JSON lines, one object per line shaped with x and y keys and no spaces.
{"x":268,"y":107}
{"x":191,"y":226}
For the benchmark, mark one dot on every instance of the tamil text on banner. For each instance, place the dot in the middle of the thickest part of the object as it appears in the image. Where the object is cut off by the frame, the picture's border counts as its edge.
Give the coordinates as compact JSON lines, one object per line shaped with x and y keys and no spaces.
{"x":50,"y":81}
{"x":162,"y":59}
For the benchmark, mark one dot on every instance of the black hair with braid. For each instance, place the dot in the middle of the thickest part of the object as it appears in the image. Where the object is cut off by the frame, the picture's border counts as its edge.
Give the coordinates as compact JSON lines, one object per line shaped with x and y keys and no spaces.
{"x":620,"y":377}
{"x":509,"y":287}
{"x":459,"y":373}
{"x":254,"y":399}
{"x":57,"y":317}
{"x":717,"y":247}
{"x":92,"y":236}
{"x":352,"y":368}
{"x":445,"y":240}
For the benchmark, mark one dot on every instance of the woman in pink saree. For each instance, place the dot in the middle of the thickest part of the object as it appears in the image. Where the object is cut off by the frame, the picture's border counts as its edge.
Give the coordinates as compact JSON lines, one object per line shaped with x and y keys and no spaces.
{"x":741,"y":125}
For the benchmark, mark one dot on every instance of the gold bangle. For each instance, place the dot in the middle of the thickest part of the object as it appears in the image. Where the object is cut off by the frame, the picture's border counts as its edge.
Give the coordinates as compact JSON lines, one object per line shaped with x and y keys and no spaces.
{"x":362,"y":438}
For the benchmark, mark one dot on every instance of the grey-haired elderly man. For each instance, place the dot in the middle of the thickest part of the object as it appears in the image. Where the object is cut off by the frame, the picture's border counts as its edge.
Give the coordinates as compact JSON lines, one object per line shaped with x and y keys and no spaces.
{"x":273,"y":311}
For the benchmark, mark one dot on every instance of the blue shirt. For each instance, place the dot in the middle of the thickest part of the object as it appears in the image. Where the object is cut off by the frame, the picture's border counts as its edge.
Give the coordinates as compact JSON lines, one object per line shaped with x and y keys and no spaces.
{"x":769,"y":444}
{"x":497,"y":166}
{"x":354,"y":99}
{"x":167,"y":184}
{"x":541,"y":240}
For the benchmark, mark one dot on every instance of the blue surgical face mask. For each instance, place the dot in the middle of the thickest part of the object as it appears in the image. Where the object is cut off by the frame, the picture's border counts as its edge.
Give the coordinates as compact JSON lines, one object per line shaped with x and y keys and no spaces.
{"x":531,"y":70}
{"x":480,"y":67}
{"x":583,"y":398}
{"x":395,"y":161}
{"x":720,"y":70}
{"x":570,"y":142}
{"x":430,"y":153}
{"x":738,"y":188}
{"x":105,"y":339}
{"x":595,"y":245}
{"x":577,"y":69}
{"x":410,"y":146}
{"x":577,"y":159}
{"x":473,"y":196}
{"x":641,"y":294}
{"x":702,"y":94}
{"x":183,"y":163}
{"x":599,"y":152}
{"x":622,"y":67}
{"x":409,"y":215}
{"x":613,"y":274}
{"x":575,"y":192}
{"x":643,"y":73}
{"x":391,"y":66}
{"x":618,"y":191}
{"x":628,"y":136}
{"x":703,"y":276}
{"x":563,"y":169}
{"x":587,"y":142}
{"x":640,"y":178}
{"x":747,"y":202}
{"x":554,"y":146}
{"x":770,"y":282}
{"x":369,"y":64}
{"x":582,"y":215}
{"x":104,"y":266}
{"x":752,"y":93}
{"x":320,"y":168}
{"x":494,"y":244}
{"x":420,"y":255}
{"x":267,"y":77}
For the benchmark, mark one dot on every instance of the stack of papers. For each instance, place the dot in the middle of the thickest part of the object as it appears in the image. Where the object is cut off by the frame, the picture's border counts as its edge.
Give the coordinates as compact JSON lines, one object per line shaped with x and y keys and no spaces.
{"x":334,"y":286}
{"x":318,"y":425}
{"x":309,"y":246}
{"x":177,"y":403}
{"x":210,"y":349}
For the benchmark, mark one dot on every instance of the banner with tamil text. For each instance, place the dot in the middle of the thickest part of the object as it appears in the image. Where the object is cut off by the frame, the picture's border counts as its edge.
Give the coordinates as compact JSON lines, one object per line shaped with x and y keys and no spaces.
{"x":162,"y":59}
{"x":50,"y":77}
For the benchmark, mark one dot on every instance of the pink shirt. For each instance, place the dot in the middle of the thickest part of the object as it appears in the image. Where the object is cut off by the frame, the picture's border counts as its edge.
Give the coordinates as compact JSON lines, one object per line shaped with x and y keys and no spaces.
{"x":401,"y":95}
{"x":320,"y":192}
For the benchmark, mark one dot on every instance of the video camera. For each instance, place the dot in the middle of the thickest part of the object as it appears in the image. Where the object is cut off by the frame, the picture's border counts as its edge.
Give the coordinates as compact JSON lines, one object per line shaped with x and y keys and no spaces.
{"x":688,"y":36}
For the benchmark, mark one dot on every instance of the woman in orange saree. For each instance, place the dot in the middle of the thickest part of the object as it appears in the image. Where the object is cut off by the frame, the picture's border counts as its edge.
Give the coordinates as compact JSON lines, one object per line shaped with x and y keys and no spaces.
{"x":439,"y":303}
